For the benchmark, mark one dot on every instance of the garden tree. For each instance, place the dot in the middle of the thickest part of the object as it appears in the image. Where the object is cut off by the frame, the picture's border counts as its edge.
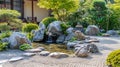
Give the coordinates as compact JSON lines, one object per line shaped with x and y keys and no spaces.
{"x":7,"y":15}
{"x":99,"y":14}
{"x":82,"y":15}
{"x":114,"y":21}
{"x":61,"y":8}
{"x":10,"y":17}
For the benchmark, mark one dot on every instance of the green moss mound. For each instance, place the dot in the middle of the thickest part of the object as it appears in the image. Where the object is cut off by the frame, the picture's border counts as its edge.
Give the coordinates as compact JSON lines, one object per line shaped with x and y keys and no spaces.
{"x":25,"y":47}
{"x":113,"y":59}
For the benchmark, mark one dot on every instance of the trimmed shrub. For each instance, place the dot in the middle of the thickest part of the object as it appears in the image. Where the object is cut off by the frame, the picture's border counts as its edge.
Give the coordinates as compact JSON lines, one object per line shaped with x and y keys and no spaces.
{"x":29,"y":27}
{"x":25,"y":47}
{"x":113,"y":59}
{"x":5,"y":34}
{"x":3,"y":46}
{"x":48,"y":20}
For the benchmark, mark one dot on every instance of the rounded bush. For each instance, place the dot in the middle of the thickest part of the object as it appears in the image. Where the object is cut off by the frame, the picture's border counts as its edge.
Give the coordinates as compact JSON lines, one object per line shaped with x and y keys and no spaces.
{"x":113,"y":59}
{"x":29,"y":27}
{"x":48,"y":20}
{"x":3,"y":46}
{"x":25,"y":47}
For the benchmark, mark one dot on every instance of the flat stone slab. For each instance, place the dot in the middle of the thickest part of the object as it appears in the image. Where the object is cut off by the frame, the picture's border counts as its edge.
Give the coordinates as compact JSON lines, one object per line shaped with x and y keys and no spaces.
{"x":15,"y":59}
{"x":44,"y":53}
{"x":34,"y":50}
{"x":3,"y":61}
{"x":29,"y":54}
{"x":58,"y":55}
{"x":91,"y":40}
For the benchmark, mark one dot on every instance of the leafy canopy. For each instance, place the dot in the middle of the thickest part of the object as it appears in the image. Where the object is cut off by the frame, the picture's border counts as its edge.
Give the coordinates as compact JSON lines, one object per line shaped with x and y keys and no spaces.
{"x":60,"y":8}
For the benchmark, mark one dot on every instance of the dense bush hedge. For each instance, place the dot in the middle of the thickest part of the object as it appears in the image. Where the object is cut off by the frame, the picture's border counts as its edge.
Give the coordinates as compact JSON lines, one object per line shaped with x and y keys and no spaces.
{"x":48,"y":20}
{"x":113,"y":59}
{"x":3,"y":46}
{"x":25,"y":47}
{"x":29,"y":27}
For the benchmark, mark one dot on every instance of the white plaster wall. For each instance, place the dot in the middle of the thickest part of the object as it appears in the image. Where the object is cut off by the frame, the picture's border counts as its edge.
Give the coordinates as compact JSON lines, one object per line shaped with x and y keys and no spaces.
{"x":40,"y":13}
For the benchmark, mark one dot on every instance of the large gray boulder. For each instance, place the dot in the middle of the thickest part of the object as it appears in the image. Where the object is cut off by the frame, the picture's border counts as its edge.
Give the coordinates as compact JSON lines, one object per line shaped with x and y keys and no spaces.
{"x":17,"y":39}
{"x":70,"y":33}
{"x":39,"y":34}
{"x":61,"y":39}
{"x":92,"y":30}
{"x":54,"y":28}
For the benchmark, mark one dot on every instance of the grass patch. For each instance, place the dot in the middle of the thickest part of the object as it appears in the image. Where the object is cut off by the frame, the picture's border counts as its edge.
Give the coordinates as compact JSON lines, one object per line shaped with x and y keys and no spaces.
{"x":54,"y":47}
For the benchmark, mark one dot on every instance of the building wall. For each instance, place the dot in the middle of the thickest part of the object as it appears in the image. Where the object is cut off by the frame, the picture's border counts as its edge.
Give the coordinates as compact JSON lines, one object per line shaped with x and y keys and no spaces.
{"x":40,"y":13}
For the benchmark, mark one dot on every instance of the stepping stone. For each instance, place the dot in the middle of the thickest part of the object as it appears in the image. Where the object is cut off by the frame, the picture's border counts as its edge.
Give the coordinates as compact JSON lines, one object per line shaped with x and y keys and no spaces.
{"x":106,"y":35}
{"x":3,"y":61}
{"x":29,"y":54}
{"x":58,"y":55}
{"x":44,"y":53}
{"x":34,"y":50}
{"x":15,"y":59}
{"x":42,"y":48}
{"x":91,"y":40}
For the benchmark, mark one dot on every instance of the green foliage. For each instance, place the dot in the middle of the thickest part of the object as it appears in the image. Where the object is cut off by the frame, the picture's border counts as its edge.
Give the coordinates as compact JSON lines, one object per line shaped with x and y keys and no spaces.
{"x":5,"y":34}
{"x":99,"y":14}
{"x":61,"y":8}
{"x":48,"y":20}
{"x":11,"y":18}
{"x":64,"y":27}
{"x":7,"y":14}
{"x":73,"y":39}
{"x":114,"y":58}
{"x":30,"y":36}
{"x":25,"y":47}
{"x":29,"y":27}
{"x":3,"y":46}
{"x":81,"y":16}
{"x":114,"y":21}
{"x":4,"y":27}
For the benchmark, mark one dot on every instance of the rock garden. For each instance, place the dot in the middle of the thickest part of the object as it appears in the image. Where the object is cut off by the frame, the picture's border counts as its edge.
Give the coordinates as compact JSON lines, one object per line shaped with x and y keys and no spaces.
{"x":83,"y":38}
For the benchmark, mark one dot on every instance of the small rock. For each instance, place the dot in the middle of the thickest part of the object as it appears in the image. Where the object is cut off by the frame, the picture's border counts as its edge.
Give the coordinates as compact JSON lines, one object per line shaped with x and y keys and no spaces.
{"x":15,"y":59}
{"x":3,"y":61}
{"x":58,"y":55}
{"x":112,"y":33}
{"x":44,"y":53}
{"x":33,"y":50}
{"x":91,"y":40}
{"x":79,"y":35}
{"x":81,"y":51}
{"x":28,"y":54}
{"x":92,"y":48}
{"x":42,"y":48}
{"x":106,"y":35}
